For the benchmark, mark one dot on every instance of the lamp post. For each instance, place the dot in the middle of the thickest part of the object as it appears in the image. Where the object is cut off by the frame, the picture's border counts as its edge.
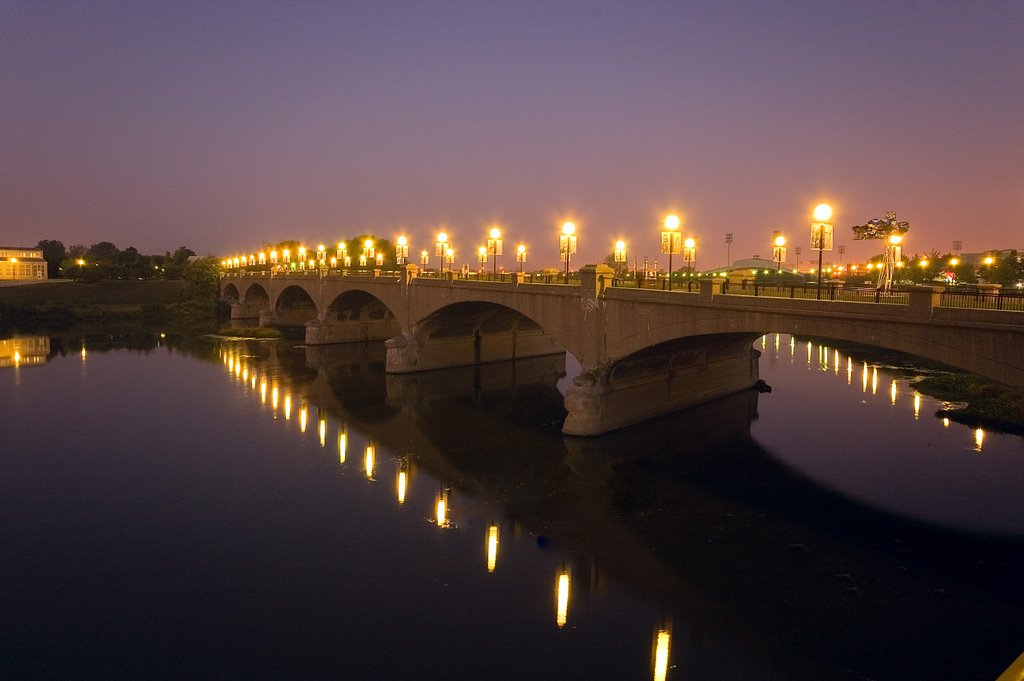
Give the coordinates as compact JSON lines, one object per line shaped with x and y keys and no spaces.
{"x":619,"y":256}
{"x":778,"y":250}
{"x":520,"y":256}
{"x":481,"y":256}
{"x":424,"y":258}
{"x":689,"y":255}
{"x":671,"y":241}
{"x":821,"y":235}
{"x":728,"y":249}
{"x":567,"y":245}
{"x":402,"y":250}
{"x":494,"y":248}
{"x":440,"y":248}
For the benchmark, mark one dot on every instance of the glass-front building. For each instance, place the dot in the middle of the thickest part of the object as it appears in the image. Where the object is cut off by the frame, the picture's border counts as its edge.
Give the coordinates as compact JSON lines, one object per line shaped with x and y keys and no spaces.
{"x":21,"y":264}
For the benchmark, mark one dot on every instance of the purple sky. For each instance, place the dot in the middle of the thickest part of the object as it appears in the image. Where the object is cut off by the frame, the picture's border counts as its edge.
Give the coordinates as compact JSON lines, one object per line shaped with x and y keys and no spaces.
{"x":218,"y":125}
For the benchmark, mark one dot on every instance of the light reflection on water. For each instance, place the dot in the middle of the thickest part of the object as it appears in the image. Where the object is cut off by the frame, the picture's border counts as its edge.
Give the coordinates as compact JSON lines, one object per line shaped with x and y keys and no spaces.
{"x":886,"y":447}
{"x":578,"y":597}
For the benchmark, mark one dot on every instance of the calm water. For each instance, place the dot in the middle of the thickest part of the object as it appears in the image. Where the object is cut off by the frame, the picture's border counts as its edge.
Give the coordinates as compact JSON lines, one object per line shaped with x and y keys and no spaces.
{"x":195,"y":509}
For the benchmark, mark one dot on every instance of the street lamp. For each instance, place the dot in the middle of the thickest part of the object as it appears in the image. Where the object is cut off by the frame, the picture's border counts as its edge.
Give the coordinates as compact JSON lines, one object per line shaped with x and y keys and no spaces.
{"x":321,"y":254}
{"x":424,"y":258}
{"x":494,"y":248}
{"x":402,"y":250}
{"x":520,"y":256}
{"x":671,"y":242}
{"x":481,"y":257}
{"x":567,"y":245}
{"x":441,"y":247}
{"x":689,"y":255}
{"x":619,"y":255}
{"x":821,"y":235}
{"x":778,"y":250}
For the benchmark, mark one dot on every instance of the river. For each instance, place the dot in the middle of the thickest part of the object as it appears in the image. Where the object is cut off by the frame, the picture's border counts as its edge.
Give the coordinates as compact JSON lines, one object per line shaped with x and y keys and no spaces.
{"x":190,"y":508}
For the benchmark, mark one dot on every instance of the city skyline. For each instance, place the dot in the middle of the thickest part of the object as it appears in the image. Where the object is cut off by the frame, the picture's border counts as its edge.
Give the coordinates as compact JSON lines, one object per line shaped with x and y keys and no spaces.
{"x":220,"y":127}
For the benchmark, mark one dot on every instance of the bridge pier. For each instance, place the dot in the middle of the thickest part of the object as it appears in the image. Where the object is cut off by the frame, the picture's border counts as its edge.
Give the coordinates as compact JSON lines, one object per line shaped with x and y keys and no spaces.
{"x":246,"y":310}
{"x":660,"y":381}
{"x":323,"y":332}
{"x":406,"y":353}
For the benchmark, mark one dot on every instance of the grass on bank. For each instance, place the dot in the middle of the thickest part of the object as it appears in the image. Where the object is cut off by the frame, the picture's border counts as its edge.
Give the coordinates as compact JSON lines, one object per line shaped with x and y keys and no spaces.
{"x":981,"y":403}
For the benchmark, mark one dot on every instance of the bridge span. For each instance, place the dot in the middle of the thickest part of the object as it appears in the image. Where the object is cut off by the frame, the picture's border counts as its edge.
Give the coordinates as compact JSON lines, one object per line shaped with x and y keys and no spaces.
{"x":643,"y":352}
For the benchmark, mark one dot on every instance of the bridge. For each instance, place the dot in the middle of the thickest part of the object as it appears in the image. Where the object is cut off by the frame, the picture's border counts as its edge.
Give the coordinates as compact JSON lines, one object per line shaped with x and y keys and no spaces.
{"x":643,"y":352}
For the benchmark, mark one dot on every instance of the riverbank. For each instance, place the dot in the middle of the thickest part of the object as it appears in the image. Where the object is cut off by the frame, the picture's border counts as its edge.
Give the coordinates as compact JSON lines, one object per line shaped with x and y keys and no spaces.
{"x":59,"y":304}
{"x":979,"y":402}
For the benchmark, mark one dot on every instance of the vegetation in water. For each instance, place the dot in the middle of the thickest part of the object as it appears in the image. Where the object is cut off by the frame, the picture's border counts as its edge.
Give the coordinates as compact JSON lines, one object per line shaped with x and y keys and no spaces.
{"x":979,"y":402}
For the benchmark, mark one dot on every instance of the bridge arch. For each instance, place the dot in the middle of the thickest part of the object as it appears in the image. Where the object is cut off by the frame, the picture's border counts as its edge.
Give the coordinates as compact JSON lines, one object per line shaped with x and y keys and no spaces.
{"x":231,"y":294}
{"x":294,"y":306}
{"x":469,"y":333}
{"x":257,"y":296}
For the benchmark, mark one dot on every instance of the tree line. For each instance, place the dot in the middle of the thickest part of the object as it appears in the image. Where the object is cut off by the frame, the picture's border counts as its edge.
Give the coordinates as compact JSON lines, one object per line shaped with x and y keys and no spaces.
{"x":104,"y":261}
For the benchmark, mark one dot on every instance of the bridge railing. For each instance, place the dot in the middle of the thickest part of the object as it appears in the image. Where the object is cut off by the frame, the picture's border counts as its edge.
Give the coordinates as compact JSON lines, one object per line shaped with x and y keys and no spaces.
{"x":981,"y":299}
{"x":829,"y":291}
{"x":688,"y":285}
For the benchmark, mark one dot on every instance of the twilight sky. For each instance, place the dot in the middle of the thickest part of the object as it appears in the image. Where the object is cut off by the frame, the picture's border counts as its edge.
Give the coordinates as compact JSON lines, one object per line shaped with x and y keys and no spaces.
{"x":217,"y":125}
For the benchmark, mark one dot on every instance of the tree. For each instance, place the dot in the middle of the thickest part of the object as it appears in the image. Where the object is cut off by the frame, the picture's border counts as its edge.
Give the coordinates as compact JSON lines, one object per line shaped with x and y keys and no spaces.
{"x":53,"y":253}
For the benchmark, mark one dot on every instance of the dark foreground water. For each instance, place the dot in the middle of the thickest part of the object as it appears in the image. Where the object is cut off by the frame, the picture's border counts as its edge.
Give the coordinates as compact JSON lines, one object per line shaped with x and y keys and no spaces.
{"x":195,"y":509}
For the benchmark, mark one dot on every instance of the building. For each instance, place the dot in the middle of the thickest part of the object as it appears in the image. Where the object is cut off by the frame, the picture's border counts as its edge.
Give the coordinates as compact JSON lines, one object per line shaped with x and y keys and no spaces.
{"x":21,"y":264}
{"x":24,"y":351}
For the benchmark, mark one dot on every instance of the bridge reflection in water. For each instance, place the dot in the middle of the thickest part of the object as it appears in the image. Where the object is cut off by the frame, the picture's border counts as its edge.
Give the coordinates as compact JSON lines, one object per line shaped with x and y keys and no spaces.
{"x":688,"y":510}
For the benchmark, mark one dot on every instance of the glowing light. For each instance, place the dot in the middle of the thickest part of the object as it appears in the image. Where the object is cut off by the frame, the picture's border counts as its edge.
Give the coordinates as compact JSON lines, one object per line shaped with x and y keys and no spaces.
{"x":690,"y":242}
{"x":954,"y":261}
{"x":849,"y":370}
{"x":892,"y":392}
{"x":917,"y":405}
{"x":322,"y":430}
{"x":83,"y":352}
{"x":661,"y":655}
{"x":263,"y":391}
{"x":368,"y":456}
{"x":822,"y":212}
{"x":287,"y":406}
{"x":273,"y":398}
{"x":780,"y":240}
{"x":342,"y":445}
{"x":989,"y":260}
{"x":17,"y":358}
{"x":492,"y":547}
{"x":836,"y":363}
{"x":562,"y":599}
{"x":895,"y":239}
{"x":864,"y":381}
{"x":672,"y":222}
{"x":568,"y":228}
{"x":495,"y":233}
{"x":874,"y":380}
{"x":923,"y":262}
{"x":303,"y":417}
{"x":979,"y":439}
{"x":945,"y":422}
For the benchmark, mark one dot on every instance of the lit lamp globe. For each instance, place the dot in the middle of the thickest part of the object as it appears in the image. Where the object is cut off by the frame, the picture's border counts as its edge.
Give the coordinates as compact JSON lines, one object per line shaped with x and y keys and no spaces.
{"x":672,"y":222}
{"x":822,"y":212}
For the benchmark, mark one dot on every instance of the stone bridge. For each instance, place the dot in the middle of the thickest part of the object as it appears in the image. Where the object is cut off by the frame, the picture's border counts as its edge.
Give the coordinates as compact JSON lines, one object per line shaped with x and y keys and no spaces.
{"x":643,"y":353}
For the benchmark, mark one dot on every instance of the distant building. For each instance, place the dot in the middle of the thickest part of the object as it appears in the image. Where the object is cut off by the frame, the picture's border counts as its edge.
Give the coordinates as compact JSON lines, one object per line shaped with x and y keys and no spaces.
{"x":21,"y":264}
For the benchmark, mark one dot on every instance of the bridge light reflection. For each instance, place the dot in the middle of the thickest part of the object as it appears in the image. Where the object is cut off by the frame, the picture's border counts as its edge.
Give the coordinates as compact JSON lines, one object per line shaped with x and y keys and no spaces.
{"x":441,"y":509}
{"x":979,"y":439}
{"x":874,"y":380}
{"x":321,"y":427}
{"x":287,"y":406}
{"x":661,"y":648}
{"x":274,"y":398}
{"x":492,"y":547}
{"x":402,"y":485}
{"x":342,"y":445}
{"x":303,"y":418}
{"x":369,"y":453}
{"x":917,"y":405}
{"x":263,"y":391}
{"x":562,"y":599}
{"x":892,"y":392}
{"x":945,"y":422}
